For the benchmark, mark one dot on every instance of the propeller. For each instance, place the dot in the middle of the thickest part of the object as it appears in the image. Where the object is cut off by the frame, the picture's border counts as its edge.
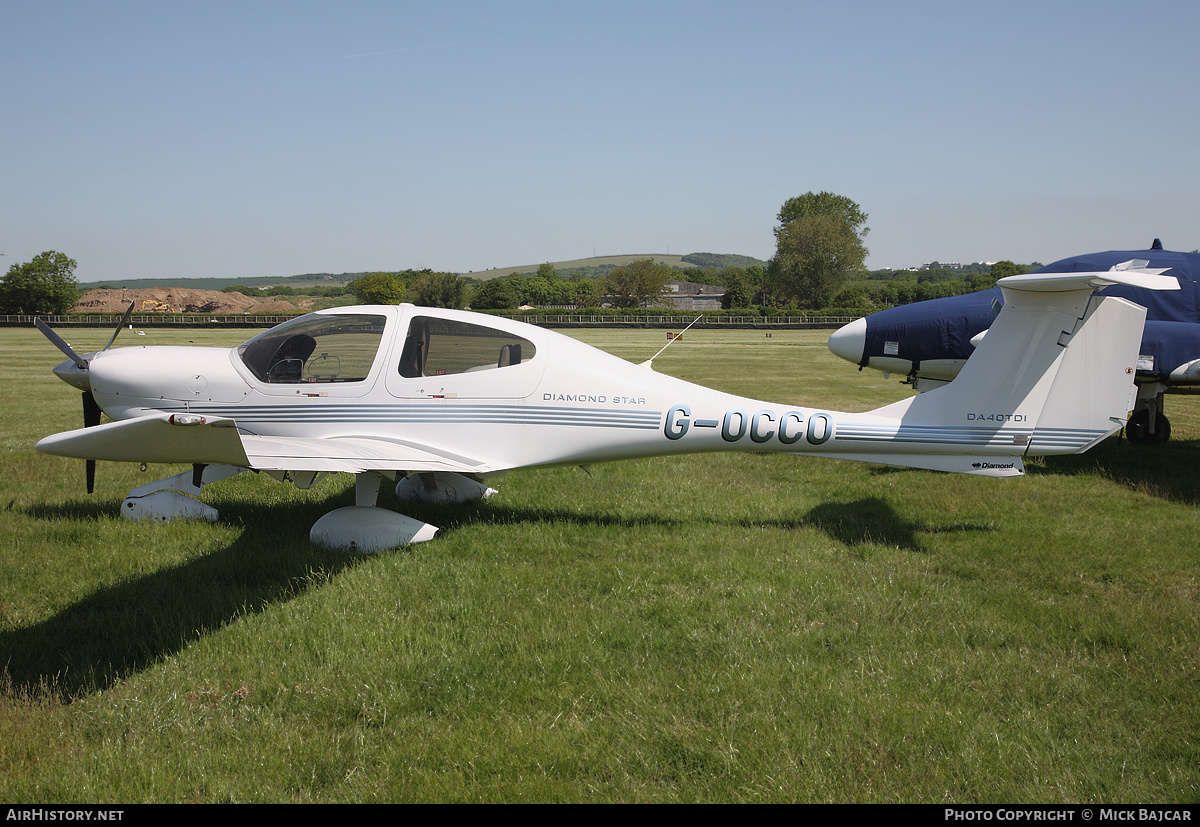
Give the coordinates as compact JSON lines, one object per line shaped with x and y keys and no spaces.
{"x":77,"y":374}
{"x":91,"y":418}
{"x":58,"y":342}
{"x":124,"y":321}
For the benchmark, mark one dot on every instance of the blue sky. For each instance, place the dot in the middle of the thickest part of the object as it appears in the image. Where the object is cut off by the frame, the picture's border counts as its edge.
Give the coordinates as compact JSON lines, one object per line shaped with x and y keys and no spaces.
{"x":270,"y":139}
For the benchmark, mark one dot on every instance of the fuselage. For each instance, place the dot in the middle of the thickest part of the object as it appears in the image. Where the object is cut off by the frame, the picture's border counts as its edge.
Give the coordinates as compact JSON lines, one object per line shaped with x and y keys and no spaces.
{"x":503,"y":395}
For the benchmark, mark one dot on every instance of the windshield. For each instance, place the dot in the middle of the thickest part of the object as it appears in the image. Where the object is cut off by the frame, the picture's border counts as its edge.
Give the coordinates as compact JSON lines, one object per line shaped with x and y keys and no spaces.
{"x":315,"y":348}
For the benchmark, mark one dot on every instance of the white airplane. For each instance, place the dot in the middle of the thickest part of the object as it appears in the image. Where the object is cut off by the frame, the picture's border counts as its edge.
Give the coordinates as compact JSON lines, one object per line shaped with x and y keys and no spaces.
{"x":443,"y":401}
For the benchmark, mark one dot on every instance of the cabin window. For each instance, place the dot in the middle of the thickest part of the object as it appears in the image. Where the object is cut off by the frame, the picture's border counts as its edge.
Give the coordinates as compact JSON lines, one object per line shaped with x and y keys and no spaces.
{"x":441,"y":347}
{"x":315,"y":348}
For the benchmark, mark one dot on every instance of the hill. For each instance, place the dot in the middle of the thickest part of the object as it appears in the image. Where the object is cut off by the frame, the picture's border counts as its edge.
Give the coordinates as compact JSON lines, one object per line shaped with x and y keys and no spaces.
{"x":307,"y":280}
{"x":583,"y":266}
{"x":591,"y":267}
{"x":598,"y":266}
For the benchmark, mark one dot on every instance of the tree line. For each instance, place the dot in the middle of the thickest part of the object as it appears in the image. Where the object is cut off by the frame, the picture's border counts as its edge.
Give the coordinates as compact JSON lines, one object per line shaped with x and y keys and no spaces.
{"x":636,"y":284}
{"x":818,"y":266}
{"x":644,"y":283}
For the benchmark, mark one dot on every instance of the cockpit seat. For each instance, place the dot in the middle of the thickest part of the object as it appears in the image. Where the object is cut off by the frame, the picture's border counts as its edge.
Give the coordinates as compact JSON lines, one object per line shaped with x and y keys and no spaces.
{"x":287,"y":365}
{"x":509,"y":355}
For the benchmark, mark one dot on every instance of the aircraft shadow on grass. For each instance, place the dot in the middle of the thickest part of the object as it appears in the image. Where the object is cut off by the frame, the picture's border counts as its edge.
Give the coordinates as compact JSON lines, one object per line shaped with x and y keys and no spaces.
{"x":861,"y":522}
{"x":119,"y":630}
{"x":873,"y":521}
{"x":867,"y":521}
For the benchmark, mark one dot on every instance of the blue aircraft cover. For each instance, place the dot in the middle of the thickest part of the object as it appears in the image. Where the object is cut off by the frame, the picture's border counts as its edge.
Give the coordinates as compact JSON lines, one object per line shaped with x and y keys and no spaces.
{"x":1181,"y":305}
{"x":943,"y":328}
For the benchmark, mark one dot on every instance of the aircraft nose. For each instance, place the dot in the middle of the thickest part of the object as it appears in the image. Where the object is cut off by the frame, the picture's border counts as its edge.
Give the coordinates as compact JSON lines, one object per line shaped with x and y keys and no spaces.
{"x":848,"y":341}
{"x":74,"y":375}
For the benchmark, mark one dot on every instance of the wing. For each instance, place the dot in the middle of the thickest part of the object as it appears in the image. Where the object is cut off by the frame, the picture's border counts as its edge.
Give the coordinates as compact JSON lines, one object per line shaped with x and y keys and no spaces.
{"x":354,"y":454}
{"x":217,"y":440}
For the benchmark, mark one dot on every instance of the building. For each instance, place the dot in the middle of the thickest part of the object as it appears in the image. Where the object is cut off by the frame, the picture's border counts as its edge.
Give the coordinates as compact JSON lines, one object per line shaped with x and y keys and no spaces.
{"x":687,"y":295}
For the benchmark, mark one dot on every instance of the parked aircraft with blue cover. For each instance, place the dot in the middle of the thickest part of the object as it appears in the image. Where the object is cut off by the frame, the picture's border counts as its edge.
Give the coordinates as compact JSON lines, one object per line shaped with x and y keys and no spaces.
{"x":928,"y":342}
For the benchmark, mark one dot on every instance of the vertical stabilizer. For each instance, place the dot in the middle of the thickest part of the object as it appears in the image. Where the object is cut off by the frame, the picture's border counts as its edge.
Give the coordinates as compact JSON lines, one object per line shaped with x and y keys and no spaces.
{"x":1054,"y":375}
{"x":1093,"y":390}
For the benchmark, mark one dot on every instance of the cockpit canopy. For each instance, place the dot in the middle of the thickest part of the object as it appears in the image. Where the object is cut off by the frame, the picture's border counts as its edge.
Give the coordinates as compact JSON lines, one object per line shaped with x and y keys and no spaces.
{"x":323,"y":347}
{"x":315,"y":348}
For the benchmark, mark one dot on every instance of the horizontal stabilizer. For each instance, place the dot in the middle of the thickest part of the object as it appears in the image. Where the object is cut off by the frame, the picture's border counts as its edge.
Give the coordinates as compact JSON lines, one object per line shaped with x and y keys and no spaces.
{"x":1065,"y":282}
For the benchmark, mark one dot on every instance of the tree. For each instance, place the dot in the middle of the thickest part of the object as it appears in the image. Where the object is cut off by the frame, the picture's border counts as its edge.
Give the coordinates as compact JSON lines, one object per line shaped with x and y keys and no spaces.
{"x":853,"y":296}
{"x":813,"y":256}
{"x":819,"y":242}
{"x":44,"y":285}
{"x":378,"y":288}
{"x":438,"y":290}
{"x":495,"y":294}
{"x":737,"y":294}
{"x":637,"y":284}
{"x":1006,"y":268}
{"x":825,"y":203}
{"x":587,"y":293}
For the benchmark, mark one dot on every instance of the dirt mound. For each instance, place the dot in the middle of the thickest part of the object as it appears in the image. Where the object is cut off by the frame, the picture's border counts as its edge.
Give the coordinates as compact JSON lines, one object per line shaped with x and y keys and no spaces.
{"x":176,"y":300}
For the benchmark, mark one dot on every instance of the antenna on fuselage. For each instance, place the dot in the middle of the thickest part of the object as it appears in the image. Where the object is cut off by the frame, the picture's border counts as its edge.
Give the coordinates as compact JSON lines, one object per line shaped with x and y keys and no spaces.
{"x":649,"y":363}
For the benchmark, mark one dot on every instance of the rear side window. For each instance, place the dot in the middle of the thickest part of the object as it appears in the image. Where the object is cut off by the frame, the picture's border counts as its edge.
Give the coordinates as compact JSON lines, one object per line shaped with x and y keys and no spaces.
{"x":441,"y":347}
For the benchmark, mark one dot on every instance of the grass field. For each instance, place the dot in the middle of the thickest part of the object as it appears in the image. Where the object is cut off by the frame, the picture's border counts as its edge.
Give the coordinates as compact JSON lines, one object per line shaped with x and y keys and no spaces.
{"x":732,"y":628}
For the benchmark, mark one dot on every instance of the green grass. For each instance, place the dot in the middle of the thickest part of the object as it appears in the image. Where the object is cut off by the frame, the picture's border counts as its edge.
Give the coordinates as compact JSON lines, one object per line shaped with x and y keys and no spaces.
{"x":732,"y":628}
